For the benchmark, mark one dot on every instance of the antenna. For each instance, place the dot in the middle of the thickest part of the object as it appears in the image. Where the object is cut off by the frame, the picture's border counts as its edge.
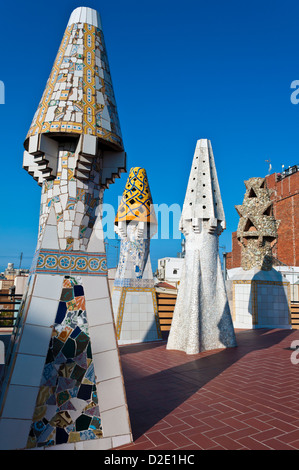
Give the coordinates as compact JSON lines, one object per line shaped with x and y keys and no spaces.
{"x":21,"y":256}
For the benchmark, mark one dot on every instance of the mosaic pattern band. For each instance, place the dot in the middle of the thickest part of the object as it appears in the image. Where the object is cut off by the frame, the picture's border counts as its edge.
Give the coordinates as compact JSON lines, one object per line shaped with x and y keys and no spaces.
{"x":129,"y":282}
{"x":61,"y":262}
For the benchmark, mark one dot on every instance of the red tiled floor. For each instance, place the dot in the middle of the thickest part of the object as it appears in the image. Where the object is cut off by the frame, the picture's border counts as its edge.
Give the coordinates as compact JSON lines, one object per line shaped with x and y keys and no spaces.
{"x":241,"y":398}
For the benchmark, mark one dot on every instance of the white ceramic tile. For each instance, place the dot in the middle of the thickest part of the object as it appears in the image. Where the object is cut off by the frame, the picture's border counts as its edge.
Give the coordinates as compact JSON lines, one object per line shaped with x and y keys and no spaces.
{"x":121,"y":440}
{"x":63,"y":200}
{"x":68,"y":225}
{"x":82,"y":17}
{"x":135,"y":336}
{"x":48,"y":286}
{"x":115,"y":422}
{"x":20,"y":402}
{"x":42,"y":312}
{"x":143,"y":325}
{"x":89,"y":17}
{"x":94,"y":18}
{"x":96,"y":242}
{"x":126,"y":335}
{"x":35,"y":340}
{"x":102,"y":338}
{"x":97,"y":444}
{"x":143,"y":313}
{"x":150,"y":315}
{"x":126,"y":325}
{"x":98,"y":312}
{"x":69,"y":446}
{"x":98,"y":21}
{"x":111,"y":393}
{"x":128,"y":307}
{"x":150,"y":308}
{"x":28,"y":370}
{"x":142,"y":298}
{"x":106,"y":365}
{"x":50,"y":238}
{"x":75,"y":16}
{"x":72,"y":188}
{"x":128,"y":316}
{"x":52,"y":217}
{"x":14,"y":433}
{"x":135,"y":308}
{"x":95,"y":287}
{"x":135,"y":325}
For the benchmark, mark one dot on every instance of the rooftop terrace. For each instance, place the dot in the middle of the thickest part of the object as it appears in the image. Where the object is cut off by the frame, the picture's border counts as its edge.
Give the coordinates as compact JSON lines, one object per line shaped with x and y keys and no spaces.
{"x":244,"y":398}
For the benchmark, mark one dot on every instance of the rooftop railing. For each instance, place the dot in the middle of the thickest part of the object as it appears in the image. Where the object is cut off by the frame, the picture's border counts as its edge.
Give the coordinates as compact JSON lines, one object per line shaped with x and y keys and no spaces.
{"x":9,"y":315}
{"x":287,"y":172}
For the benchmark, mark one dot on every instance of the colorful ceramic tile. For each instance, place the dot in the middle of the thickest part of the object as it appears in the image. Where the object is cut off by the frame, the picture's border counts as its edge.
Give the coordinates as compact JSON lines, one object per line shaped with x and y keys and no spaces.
{"x":67,"y":382}
{"x":77,"y":262}
{"x":50,"y":114}
{"x":136,"y":203}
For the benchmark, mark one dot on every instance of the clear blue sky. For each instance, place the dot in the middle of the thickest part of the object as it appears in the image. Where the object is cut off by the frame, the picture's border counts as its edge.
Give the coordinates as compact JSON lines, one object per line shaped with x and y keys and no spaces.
{"x":181,"y":71}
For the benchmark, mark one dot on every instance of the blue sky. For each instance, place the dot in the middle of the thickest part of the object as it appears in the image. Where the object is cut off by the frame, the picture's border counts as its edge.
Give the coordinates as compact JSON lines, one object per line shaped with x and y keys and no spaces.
{"x":181,"y":71}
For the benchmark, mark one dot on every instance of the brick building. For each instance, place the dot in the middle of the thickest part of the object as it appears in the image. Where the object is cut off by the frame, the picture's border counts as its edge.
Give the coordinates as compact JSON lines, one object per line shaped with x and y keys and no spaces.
{"x":286,"y":209}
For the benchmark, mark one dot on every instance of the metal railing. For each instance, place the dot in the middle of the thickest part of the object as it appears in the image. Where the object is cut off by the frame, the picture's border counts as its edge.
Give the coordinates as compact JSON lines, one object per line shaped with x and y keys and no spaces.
{"x":6,"y":320}
{"x":287,"y":172}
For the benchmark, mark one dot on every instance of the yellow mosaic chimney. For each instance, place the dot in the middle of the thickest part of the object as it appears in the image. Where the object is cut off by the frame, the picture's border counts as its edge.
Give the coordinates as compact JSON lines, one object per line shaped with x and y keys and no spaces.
{"x":136,"y":203}
{"x":135,"y":223}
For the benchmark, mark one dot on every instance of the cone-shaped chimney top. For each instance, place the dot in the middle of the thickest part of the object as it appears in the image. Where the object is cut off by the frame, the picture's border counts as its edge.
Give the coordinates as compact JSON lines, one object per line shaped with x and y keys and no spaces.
{"x":79,"y":98}
{"x":136,"y":203}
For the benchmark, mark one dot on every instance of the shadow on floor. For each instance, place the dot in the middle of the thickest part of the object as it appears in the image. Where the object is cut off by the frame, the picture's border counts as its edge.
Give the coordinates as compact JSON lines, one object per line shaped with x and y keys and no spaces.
{"x":152,"y":396}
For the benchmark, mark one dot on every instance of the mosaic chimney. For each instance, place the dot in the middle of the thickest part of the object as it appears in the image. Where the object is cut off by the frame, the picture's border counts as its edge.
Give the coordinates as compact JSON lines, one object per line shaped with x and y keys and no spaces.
{"x":201,"y":319}
{"x":63,"y":386}
{"x":257,"y":228}
{"x":134,"y":297}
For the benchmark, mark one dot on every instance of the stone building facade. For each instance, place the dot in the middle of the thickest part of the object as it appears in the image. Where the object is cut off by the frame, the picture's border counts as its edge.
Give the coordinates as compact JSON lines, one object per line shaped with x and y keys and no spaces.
{"x":285,"y":198}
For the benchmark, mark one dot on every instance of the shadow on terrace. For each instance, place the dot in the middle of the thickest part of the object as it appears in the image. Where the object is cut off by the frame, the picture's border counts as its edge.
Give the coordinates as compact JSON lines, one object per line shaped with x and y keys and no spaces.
{"x":157,"y":380}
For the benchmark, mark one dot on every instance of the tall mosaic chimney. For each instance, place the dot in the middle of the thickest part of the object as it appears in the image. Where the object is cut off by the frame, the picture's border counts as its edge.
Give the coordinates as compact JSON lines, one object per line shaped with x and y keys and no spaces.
{"x":257,"y":229}
{"x":63,"y":386}
{"x":201,"y":319}
{"x":134,"y":297}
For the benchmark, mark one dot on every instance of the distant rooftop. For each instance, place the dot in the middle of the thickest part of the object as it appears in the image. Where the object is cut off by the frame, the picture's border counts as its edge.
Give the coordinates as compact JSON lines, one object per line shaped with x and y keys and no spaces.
{"x":165,"y":285}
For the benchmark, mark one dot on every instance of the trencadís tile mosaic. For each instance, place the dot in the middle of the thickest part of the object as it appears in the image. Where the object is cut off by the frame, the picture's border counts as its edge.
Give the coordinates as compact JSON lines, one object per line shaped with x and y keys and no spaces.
{"x":79,"y":97}
{"x":67,"y":404}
